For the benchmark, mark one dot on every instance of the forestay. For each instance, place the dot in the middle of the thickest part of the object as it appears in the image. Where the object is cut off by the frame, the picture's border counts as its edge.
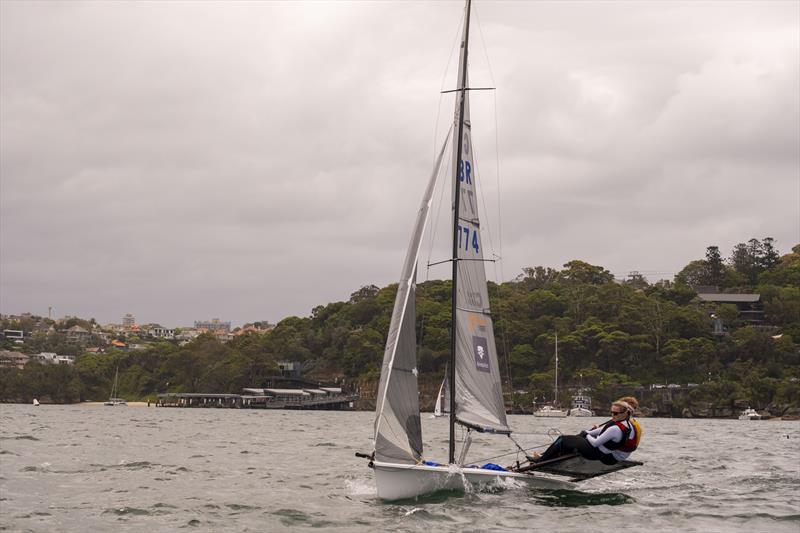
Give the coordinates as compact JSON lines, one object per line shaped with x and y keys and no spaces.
{"x":479,"y":397}
{"x":398,"y":434}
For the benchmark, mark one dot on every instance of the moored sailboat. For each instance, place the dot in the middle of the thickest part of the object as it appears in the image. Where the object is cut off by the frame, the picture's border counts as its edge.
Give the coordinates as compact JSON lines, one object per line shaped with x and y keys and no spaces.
{"x":113,"y":400}
{"x":552,"y":411}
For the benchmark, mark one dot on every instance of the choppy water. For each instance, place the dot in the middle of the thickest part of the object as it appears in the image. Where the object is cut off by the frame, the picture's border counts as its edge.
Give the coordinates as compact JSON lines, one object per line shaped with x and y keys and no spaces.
{"x":93,"y":468}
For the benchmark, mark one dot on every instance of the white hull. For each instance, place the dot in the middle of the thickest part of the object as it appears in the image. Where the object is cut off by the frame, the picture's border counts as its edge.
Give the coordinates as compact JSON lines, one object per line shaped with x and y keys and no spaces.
{"x":401,"y":481}
{"x":113,"y":403}
{"x":749,"y":414}
{"x":580,"y":411}
{"x":550,"y":413}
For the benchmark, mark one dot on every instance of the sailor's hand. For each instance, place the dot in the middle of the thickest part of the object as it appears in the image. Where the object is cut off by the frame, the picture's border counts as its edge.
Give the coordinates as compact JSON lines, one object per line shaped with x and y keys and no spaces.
{"x":583,"y":433}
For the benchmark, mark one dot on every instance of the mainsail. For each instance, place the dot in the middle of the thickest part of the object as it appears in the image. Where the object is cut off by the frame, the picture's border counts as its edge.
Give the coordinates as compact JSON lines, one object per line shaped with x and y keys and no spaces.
{"x":476,"y":386}
{"x":398,"y":434}
{"x":478,"y":393}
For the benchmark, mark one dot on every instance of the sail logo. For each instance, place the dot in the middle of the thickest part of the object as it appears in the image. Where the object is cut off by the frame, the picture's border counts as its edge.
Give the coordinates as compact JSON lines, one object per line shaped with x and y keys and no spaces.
{"x":481,"y":350}
{"x":476,"y":322}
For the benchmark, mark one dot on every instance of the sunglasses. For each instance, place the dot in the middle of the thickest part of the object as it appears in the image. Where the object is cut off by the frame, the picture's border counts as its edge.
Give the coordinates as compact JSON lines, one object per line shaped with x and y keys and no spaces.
{"x":617,"y":412}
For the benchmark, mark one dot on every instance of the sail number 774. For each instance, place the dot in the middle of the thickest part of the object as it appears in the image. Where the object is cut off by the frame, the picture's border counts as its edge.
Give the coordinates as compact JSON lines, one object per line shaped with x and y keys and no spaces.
{"x":468,"y":238}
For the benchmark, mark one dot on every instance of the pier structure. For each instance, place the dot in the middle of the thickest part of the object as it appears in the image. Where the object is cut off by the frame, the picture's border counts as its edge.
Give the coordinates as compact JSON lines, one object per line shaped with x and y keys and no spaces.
{"x":322,"y":398}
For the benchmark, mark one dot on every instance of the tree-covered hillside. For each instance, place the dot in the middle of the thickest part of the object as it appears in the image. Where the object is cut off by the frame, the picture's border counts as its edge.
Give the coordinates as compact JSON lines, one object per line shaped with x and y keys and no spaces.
{"x":610,"y":334}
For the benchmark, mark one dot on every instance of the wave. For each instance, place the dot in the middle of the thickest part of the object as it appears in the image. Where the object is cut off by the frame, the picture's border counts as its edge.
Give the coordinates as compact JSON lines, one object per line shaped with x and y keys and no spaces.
{"x":21,"y":437}
{"x":296,"y":517}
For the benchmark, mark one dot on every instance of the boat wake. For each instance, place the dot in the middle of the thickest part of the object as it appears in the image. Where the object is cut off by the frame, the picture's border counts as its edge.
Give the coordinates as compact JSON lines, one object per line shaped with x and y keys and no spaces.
{"x":576,"y":498}
{"x":359,"y":487}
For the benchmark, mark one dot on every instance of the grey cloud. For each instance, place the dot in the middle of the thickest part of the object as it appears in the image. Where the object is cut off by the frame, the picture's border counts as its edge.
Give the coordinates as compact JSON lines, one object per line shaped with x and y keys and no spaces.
{"x":186,"y":160}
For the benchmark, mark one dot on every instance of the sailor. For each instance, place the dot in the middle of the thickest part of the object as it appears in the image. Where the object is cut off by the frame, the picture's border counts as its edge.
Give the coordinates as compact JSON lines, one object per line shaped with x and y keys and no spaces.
{"x":612,"y":442}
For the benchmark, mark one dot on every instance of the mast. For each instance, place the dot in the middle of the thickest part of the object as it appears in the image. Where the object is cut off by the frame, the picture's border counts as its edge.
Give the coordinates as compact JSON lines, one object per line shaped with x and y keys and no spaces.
{"x":456,"y":230}
{"x":555,"y":400}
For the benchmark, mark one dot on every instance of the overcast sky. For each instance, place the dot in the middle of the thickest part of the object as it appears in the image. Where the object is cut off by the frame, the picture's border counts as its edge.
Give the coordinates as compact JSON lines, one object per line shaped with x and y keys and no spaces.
{"x":249,"y":161}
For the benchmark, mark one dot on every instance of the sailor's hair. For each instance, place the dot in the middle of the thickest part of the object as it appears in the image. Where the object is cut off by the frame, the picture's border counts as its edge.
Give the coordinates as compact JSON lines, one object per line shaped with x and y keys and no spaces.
{"x":625,"y":405}
{"x":631,"y":400}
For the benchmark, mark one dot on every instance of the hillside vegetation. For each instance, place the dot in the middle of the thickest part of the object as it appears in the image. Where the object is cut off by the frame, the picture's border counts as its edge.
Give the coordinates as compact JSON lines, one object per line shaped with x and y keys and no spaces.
{"x":611,"y":336}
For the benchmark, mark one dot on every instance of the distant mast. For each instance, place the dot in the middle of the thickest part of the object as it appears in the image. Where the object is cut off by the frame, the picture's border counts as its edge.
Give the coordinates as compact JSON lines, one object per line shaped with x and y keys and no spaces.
{"x":555,"y":400}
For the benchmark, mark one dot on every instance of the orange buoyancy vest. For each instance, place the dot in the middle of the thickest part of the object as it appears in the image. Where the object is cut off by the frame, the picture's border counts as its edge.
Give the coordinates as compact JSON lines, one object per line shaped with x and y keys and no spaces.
{"x":631,"y":435}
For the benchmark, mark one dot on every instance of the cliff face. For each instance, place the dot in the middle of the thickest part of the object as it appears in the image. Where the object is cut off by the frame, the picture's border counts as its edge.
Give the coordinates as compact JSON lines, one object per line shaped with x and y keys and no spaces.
{"x":368,"y":391}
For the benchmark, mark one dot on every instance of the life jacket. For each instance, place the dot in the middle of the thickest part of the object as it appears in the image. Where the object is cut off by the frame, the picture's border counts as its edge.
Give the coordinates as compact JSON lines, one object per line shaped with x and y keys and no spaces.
{"x":631,"y":435}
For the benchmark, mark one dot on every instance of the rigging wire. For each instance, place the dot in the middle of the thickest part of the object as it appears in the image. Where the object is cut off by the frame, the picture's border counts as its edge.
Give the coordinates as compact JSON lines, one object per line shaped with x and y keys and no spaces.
{"x":435,"y":141}
{"x":456,"y":40}
{"x":498,"y":264}
{"x":432,"y":233}
{"x":523,"y":450}
{"x":435,"y":225}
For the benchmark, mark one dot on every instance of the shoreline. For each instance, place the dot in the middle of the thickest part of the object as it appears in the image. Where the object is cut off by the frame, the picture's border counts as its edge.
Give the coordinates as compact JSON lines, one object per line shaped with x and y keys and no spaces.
{"x":101,"y":404}
{"x":786,"y":418}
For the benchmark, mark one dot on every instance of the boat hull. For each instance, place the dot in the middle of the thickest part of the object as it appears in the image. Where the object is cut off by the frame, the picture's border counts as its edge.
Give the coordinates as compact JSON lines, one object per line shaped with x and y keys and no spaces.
{"x":402,"y":481}
{"x":749,"y":414}
{"x":580,"y":411}
{"x":550,"y":414}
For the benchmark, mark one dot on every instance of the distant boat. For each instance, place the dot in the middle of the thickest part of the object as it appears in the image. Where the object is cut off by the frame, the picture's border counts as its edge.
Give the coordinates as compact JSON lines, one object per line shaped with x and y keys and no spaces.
{"x":581,"y":405}
{"x":749,"y":414}
{"x":552,"y":411}
{"x":548,"y":411}
{"x":442,"y":407}
{"x":113,"y":400}
{"x":35,"y":402}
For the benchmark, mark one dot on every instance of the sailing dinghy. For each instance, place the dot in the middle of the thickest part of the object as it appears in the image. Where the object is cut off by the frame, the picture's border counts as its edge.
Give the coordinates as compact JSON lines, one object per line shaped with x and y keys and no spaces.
{"x":552,"y":411}
{"x":476,"y":398}
{"x":442,"y":406}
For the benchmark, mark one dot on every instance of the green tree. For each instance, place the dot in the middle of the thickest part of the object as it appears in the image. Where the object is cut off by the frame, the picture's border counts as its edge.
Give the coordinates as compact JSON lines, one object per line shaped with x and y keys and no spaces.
{"x":715,"y":269}
{"x":693,"y":274}
{"x":770,"y":256}
{"x":576,"y":272}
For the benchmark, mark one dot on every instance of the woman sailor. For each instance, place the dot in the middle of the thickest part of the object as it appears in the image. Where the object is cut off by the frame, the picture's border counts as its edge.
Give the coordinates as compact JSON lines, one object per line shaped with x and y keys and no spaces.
{"x":612,"y":442}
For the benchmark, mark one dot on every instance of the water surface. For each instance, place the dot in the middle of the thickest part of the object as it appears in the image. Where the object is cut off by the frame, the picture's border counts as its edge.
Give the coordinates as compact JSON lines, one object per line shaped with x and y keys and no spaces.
{"x":93,"y":468}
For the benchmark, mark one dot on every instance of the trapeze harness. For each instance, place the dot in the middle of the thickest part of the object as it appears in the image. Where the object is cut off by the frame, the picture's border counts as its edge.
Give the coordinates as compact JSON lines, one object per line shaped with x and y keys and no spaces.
{"x":631,"y":435}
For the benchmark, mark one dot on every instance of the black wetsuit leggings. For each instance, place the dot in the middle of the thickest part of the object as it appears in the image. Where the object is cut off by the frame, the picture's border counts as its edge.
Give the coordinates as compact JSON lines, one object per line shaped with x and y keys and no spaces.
{"x":567,"y":444}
